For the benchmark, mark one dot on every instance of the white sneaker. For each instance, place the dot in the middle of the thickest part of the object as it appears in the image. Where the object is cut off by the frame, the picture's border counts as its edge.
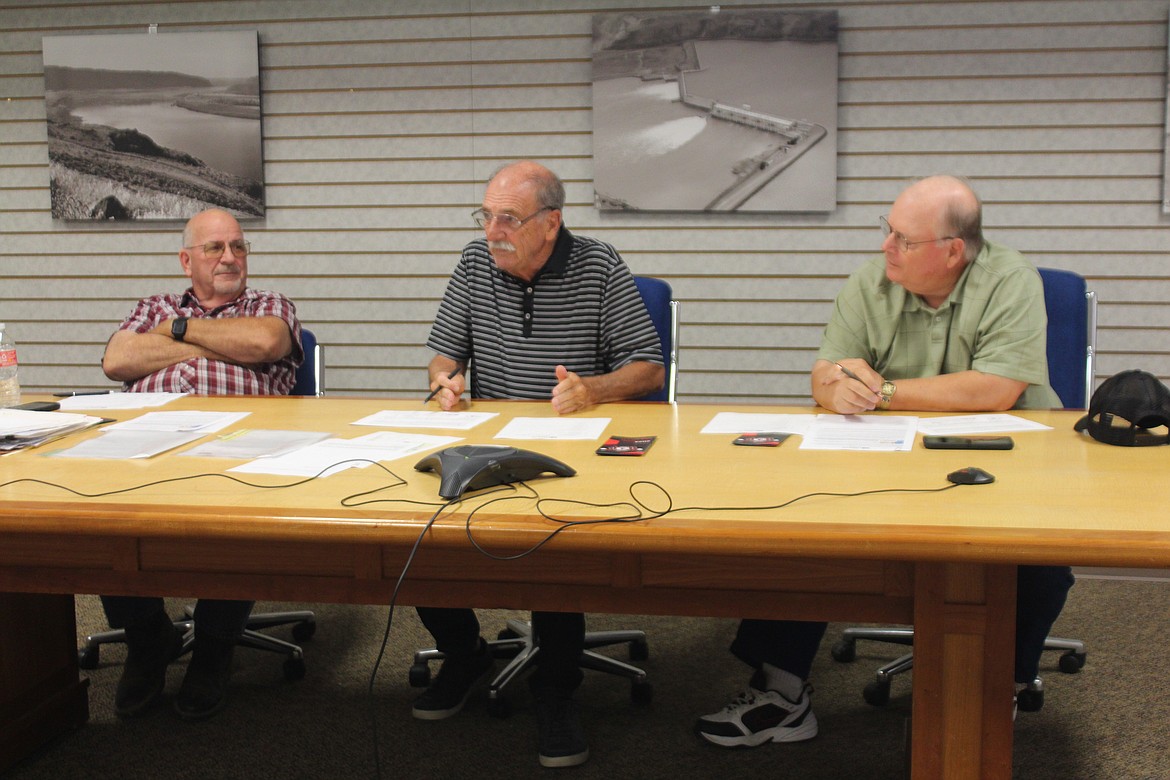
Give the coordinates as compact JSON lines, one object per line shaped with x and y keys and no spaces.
{"x":758,"y":716}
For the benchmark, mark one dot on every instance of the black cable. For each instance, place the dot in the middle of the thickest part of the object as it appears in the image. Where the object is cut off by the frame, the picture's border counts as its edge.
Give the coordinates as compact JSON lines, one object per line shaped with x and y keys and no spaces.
{"x":386,"y":634}
{"x":639,"y":507}
{"x":347,"y":501}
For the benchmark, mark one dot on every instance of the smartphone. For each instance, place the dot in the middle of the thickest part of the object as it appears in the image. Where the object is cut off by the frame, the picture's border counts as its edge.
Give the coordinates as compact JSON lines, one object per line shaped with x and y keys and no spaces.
{"x":39,"y":406}
{"x":968,"y":442}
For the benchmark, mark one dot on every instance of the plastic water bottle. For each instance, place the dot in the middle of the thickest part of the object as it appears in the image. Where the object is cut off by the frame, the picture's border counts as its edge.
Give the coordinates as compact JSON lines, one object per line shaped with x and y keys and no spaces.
{"x":9,"y":383}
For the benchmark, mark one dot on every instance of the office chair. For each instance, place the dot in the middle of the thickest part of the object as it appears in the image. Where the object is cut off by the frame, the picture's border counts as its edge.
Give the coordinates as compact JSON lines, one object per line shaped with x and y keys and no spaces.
{"x":1072,"y":346}
{"x":656,"y":294}
{"x":311,"y":373}
{"x":515,"y":642}
{"x":304,"y":625}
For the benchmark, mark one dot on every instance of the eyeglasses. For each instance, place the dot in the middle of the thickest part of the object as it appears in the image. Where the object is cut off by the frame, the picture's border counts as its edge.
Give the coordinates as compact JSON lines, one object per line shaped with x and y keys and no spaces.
{"x":215,"y":249}
{"x":900,"y":240}
{"x":507,"y":222}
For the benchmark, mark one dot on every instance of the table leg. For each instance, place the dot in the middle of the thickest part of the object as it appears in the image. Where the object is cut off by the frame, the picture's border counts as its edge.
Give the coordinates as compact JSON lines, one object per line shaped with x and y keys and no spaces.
{"x":964,"y":639}
{"x":41,"y":694}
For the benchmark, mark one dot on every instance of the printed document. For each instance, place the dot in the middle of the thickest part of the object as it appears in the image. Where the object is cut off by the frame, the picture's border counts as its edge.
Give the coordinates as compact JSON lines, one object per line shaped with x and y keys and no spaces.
{"x":870,"y":433}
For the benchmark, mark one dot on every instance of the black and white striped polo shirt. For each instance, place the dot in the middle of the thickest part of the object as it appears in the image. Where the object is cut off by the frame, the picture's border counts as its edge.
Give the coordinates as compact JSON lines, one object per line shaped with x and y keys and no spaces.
{"x":582,"y":310}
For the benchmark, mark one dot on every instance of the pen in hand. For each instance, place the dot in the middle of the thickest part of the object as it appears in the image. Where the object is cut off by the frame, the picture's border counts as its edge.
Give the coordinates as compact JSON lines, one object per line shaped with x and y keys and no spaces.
{"x":850,"y":374}
{"x":435,"y":392}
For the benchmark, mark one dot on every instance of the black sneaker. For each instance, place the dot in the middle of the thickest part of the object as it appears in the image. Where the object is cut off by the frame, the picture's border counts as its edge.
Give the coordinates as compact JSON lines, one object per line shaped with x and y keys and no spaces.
{"x":452,"y":685}
{"x":758,"y":716}
{"x":205,"y":686}
{"x":561,"y":738}
{"x":150,"y":647}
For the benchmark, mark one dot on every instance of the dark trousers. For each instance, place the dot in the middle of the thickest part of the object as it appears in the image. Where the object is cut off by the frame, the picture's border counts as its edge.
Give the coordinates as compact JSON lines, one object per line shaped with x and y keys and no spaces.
{"x":561,"y":636}
{"x":214,"y":618}
{"x":791,"y":645}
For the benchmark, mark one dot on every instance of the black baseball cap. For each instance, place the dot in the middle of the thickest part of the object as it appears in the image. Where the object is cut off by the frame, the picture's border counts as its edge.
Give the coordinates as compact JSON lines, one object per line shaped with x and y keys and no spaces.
{"x":1130,"y":409}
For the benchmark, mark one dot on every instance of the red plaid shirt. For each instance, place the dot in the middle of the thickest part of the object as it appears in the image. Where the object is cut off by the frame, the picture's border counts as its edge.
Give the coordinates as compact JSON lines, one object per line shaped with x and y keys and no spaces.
{"x":214,"y":377}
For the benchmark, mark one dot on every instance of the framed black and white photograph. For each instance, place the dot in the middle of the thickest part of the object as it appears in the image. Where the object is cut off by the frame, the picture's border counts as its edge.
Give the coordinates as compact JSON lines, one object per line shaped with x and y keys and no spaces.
{"x":715,"y":110}
{"x":153,"y":126}
{"x":1166,"y":146}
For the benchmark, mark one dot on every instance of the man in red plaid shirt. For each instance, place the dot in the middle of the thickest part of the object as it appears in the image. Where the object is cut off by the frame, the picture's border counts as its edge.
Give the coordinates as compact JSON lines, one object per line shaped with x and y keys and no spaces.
{"x":217,"y":338}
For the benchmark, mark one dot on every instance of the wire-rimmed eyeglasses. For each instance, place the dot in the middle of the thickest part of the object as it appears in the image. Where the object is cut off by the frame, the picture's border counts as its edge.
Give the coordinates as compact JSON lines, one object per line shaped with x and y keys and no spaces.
{"x":509,"y":223}
{"x":902,"y":242}
{"x":215,"y":249}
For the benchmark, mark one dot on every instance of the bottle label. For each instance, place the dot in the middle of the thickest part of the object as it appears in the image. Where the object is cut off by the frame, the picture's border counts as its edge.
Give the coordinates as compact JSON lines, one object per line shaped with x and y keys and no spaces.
{"x":7,"y":358}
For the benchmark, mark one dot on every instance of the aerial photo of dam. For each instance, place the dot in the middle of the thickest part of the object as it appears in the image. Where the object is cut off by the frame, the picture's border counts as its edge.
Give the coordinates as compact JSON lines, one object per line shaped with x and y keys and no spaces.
{"x":715,"y":111}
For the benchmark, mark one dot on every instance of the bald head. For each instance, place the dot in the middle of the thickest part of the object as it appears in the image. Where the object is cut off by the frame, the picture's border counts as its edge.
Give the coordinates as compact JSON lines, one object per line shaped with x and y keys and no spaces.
{"x":956,"y":208}
{"x":546,"y":185}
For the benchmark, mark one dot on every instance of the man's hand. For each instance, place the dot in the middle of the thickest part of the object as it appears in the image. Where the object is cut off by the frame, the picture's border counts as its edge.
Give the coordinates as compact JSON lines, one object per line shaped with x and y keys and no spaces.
{"x":450,"y":388}
{"x":572,"y":393}
{"x":838,"y":392}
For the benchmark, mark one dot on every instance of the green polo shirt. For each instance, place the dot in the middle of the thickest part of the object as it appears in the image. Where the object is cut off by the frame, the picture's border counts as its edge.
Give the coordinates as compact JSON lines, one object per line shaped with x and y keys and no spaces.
{"x":994,"y":322}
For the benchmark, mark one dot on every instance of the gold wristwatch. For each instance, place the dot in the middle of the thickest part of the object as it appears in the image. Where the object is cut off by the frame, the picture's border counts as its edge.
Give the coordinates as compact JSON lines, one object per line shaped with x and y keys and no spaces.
{"x":887,"y":394}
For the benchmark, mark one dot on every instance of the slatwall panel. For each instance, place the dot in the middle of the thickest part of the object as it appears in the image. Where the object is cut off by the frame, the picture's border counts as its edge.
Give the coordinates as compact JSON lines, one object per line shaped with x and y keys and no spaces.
{"x":382,"y":119}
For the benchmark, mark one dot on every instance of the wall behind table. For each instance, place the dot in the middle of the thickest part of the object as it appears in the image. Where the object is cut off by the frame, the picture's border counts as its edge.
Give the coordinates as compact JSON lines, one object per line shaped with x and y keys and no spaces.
{"x":382,"y":119}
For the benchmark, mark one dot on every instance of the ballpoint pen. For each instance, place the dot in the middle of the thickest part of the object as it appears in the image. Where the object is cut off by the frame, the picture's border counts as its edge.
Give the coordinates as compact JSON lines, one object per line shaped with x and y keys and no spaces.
{"x":850,"y":374}
{"x":435,"y":392}
{"x":72,"y":393}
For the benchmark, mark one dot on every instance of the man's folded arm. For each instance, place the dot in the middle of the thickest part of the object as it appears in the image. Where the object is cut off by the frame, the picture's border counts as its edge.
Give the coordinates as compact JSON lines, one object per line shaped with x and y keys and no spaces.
{"x":243,"y":341}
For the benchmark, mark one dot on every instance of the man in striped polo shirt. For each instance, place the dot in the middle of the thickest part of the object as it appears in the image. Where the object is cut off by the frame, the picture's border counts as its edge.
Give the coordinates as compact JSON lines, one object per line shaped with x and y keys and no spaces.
{"x":545,"y":315}
{"x":219,"y":337}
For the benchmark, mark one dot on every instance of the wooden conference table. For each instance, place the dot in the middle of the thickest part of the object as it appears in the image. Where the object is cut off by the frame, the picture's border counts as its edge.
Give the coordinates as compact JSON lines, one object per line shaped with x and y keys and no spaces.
{"x":941,"y":560}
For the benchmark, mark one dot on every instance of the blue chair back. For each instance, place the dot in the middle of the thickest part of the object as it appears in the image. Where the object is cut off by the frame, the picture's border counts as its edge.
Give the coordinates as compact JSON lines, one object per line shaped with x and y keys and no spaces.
{"x":656,"y":294}
{"x":309,"y":374}
{"x":1072,"y":335}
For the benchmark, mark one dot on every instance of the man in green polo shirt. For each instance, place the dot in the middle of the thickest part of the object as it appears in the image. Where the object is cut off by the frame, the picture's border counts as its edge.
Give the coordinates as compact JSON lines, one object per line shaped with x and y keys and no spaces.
{"x":944,"y":320}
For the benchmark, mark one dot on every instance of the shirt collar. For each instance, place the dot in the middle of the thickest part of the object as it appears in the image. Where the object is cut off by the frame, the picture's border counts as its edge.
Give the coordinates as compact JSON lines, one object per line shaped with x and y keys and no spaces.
{"x":191,"y":301}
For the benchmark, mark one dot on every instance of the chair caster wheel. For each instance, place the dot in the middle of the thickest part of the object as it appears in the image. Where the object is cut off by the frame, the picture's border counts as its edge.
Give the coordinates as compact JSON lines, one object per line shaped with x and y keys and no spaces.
{"x":1072,"y":662}
{"x":303,"y":631}
{"x":420,"y":675}
{"x":640,"y":650}
{"x":877,"y":693}
{"x":294,"y":669}
{"x":844,"y":651}
{"x":87,"y":657}
{"x":1028,"y":700}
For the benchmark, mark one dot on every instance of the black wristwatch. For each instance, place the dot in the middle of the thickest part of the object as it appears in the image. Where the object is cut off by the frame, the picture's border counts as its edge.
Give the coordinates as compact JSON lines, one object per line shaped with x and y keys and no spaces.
{"x":179,"y":328}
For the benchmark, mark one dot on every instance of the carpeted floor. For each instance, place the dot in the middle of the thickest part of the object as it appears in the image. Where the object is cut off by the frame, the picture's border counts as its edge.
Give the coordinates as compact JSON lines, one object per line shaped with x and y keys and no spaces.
{"x":1107,"y":722}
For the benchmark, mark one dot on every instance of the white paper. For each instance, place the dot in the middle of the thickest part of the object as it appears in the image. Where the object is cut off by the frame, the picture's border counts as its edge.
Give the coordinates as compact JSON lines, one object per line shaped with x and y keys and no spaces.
{"x":559,"y":428}
{"x":124,"y":445}
{"x":23,"y":429}
{"x":463,"y":421}
{"x":246,"y":445}
{"x":869,"y":433}
{"x":118,"y":400}
{"x":22,"y":422}
{"x":203,"y":422}
{"x":743,"y":422}
{"x":334,"y":455}
{"x":978,"y":423}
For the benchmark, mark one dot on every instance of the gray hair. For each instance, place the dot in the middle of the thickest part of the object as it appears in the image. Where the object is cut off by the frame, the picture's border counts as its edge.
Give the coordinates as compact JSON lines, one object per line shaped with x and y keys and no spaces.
{"x":550,"y":191}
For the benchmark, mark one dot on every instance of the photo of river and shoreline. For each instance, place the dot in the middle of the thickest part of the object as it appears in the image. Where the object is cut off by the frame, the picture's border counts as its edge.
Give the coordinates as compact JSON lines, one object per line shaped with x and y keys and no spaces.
{"x":715,"y":110}
{"x":153,"y":126}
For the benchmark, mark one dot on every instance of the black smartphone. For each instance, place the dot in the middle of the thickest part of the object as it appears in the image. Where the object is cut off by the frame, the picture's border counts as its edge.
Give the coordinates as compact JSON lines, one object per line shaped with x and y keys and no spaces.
{"x":968,"y":442}
{"x":39,"y":406}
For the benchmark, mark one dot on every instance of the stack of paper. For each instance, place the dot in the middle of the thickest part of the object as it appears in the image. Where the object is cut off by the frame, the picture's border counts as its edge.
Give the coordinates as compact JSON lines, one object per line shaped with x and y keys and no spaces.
{"x":21,"y":429}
